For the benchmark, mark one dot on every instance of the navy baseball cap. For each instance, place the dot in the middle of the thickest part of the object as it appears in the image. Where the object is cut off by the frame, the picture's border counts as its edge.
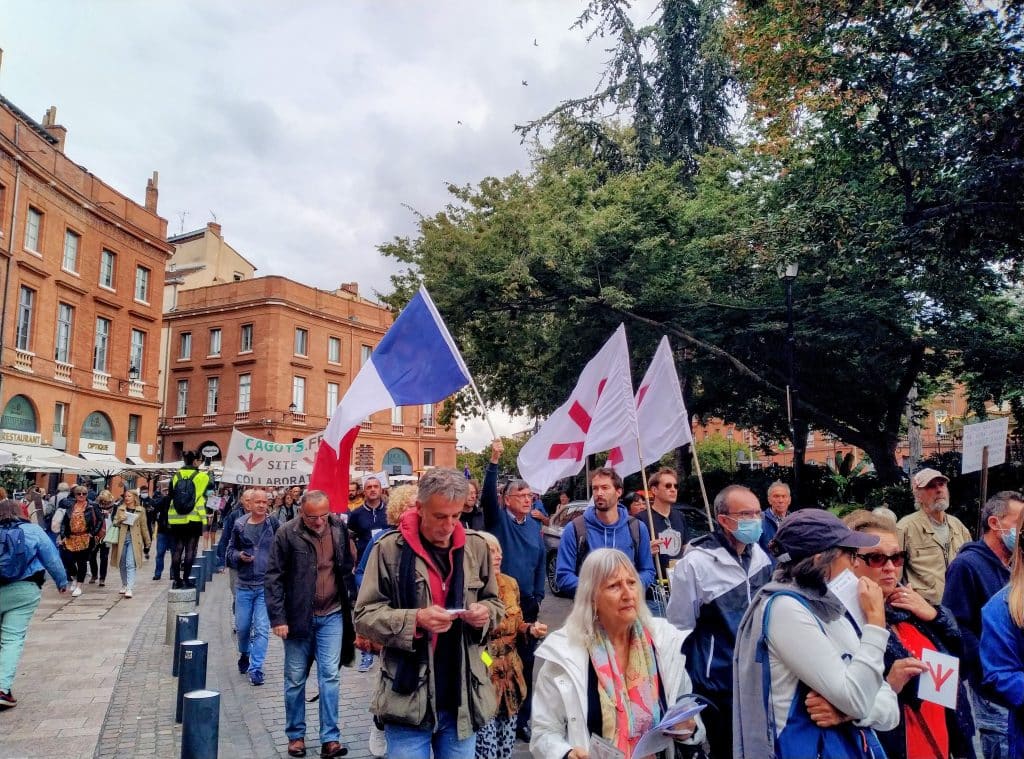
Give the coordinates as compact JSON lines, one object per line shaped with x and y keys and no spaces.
{"x":809,"y":531}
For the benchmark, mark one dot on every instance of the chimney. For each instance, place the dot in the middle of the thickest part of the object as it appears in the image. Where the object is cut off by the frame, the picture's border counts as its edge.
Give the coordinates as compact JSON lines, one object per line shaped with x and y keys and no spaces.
{"x":213,"y":227}
{"x":152,"y":192}
{"x":56,"y":131}
{"x":352,"y":288}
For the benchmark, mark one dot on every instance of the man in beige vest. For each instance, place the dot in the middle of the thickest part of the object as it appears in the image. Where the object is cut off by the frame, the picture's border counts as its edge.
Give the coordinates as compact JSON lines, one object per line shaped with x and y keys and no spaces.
{"x":931,"y":537}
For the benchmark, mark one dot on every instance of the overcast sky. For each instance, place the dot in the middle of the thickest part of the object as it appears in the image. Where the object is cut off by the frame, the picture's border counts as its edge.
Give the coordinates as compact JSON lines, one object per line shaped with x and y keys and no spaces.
{"x":309,"y":129}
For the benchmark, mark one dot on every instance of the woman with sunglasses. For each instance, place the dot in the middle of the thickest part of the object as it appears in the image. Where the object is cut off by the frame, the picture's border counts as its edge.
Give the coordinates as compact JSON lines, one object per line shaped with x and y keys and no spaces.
{"x":926,"y":730}
{"x":80,"y":525}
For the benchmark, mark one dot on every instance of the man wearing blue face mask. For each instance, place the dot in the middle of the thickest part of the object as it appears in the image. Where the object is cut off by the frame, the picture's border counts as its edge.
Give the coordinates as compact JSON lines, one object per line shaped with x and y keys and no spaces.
{"x":712,"y":585}
{"x":977,"y":573}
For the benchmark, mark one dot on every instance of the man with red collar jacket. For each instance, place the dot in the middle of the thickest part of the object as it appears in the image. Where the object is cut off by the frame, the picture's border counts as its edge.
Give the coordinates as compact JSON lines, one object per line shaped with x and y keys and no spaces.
{"x":429,"y":595}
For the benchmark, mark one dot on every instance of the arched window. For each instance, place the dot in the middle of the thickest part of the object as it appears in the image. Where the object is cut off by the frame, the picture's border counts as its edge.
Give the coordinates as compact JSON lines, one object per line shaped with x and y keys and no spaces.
{"x":397,"y":461}
{"x":19,"y":414}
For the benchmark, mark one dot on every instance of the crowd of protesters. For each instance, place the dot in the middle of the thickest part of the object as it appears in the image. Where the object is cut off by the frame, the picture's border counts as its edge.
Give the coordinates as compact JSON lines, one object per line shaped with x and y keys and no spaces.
{"x":442,"y":584}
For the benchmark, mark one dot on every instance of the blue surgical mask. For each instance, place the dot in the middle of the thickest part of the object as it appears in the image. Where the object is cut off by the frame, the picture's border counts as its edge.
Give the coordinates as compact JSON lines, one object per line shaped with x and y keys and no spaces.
{"x":1009,"y":538}
{"x":748,"y":530}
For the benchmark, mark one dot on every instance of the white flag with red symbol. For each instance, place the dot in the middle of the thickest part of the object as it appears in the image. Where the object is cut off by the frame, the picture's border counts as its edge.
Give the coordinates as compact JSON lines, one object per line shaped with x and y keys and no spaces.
{"x":600,"y":415}
{"x":662,"y":418}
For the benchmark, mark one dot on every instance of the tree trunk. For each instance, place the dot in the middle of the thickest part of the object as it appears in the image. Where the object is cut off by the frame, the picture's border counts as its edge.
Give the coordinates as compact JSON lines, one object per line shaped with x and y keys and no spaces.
{"x":883,"y":456}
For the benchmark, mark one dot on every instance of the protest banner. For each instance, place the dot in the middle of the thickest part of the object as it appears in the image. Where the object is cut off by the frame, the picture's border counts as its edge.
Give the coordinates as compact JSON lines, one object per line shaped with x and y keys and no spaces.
{"x":259,"y":462}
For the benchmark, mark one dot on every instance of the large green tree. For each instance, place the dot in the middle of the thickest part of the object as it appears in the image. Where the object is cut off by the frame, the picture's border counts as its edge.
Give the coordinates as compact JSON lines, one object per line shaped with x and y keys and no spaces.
{"x":908,"y":258}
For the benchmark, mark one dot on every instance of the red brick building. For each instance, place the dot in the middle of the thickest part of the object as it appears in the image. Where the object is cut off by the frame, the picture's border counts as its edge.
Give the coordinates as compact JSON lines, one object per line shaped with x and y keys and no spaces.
{"x":273,"y":358}
{"x":83,"y":274}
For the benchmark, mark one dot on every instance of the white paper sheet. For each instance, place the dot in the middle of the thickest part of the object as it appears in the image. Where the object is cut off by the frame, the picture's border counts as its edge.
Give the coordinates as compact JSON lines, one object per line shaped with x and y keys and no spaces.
{"x":844,"y":587}
{"x":657,"y":738}
{"x":939,"y":683}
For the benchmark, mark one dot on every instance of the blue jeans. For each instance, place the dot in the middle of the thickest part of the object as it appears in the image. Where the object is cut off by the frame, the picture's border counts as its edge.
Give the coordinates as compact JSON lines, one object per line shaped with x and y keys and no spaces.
{"x":253,"y":625}
{"x":324,"y":644}
{"x":127,"y":563}
{"x":164,"y":543}
{"x":414,"y":743}
{"x":991,"y":721}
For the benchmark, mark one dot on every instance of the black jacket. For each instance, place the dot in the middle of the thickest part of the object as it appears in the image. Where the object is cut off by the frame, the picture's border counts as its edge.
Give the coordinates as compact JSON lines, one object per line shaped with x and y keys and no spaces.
{"x":290,"y":581}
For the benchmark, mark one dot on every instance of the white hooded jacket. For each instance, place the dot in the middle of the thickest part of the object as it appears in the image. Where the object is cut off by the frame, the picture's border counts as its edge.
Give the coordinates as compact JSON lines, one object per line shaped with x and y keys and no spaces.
{"x":559,"y":720}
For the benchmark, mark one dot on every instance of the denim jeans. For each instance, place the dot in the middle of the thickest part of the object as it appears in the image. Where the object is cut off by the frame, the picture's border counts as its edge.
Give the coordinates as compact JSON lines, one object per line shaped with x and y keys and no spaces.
{"x":127,"y":563}
{"x":324,"y":644}
{"x":414,"y":743}
{"x":164,"y":543}
{"x":18,"y":602}
{"x":992,"y":722}
{"x":253,"y":625}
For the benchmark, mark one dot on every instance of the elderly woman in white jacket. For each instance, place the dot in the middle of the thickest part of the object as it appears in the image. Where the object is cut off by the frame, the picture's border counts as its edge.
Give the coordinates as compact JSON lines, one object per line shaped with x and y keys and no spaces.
{"x":611,"y":671}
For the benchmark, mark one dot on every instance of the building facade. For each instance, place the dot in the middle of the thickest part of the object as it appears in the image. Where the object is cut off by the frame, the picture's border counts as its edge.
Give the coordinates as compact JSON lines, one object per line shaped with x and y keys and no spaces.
{"x":273,"y":358}
{"x":83,"y":275}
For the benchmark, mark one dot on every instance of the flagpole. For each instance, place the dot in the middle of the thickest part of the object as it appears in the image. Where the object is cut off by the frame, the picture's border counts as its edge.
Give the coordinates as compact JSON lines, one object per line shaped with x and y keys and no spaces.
{"x":480,"y":400}
{"x":650,"y":513}
{"x":703,"y":490}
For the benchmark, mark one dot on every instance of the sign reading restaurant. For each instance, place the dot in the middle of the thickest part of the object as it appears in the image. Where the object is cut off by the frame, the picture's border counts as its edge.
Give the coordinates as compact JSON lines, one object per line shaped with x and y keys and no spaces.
{"x":25,"y":438}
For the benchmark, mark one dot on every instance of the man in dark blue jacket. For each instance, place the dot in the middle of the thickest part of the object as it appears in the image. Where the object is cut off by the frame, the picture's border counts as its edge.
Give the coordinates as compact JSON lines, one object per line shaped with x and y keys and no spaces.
{"x":977,"y":573}
{"x":523,"y":557}
{"x":252,"y":537}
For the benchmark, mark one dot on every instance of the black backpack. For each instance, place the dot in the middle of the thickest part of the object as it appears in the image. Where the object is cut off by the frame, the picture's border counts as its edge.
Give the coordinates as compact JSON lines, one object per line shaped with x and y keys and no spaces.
{"x":579,"y":524}
{"x":183,"y":494}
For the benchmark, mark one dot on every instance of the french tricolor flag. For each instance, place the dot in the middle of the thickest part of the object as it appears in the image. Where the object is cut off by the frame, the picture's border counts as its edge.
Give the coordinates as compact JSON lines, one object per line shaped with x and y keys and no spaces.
{"x":416,"y":362}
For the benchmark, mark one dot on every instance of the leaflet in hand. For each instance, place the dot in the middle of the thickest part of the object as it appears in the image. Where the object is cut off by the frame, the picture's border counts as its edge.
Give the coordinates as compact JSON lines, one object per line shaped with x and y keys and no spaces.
{"x":845,"y":586}
{"x":661,"y":736}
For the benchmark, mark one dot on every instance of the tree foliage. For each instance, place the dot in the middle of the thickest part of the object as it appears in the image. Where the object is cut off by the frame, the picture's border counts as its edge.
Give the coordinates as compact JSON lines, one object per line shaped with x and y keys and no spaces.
{"x":884,"y":157}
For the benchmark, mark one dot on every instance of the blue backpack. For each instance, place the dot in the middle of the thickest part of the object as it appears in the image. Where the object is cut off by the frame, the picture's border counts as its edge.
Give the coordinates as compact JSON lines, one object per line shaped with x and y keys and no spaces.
{"x":15,"y":555}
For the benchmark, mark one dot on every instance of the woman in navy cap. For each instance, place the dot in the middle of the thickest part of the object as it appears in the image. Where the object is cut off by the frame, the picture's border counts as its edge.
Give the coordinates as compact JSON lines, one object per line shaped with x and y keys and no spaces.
{"x":809,"y":679}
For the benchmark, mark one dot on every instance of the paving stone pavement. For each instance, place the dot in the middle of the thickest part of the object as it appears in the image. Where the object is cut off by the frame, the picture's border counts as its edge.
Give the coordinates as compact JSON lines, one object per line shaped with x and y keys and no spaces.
{"x":73,"y":654}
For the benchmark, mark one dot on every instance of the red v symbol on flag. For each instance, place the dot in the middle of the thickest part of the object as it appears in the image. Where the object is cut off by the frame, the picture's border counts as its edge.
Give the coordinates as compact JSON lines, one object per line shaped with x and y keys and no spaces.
{"x":938,"y":677}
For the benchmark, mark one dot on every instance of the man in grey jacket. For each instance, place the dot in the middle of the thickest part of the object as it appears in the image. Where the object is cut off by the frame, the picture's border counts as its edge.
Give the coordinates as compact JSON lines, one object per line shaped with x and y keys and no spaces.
{"x":429,"y":595}
{"x":308,"y":588}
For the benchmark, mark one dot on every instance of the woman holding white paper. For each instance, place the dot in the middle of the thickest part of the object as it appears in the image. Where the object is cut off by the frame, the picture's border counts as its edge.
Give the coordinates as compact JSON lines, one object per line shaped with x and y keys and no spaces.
{"x":133,"y":537}
{"x":926,"y":730}
{"x":807,"y":681}
{"x":612,"y":671}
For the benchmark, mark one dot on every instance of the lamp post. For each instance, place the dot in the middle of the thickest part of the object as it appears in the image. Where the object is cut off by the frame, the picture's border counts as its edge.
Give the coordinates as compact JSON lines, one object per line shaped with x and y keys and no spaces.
{"x":788,"y":273}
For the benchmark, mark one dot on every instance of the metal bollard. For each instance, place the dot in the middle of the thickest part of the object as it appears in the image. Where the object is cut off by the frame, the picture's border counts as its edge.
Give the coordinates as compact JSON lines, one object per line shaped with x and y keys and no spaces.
{"x":211,"y":567}
{"x":193,"y":671}
{"x":198,"y":586}
{"x":180,"y":601}
{"x":185,"y":628}
{"x":197,"y":570}
{"x":200,"y":728}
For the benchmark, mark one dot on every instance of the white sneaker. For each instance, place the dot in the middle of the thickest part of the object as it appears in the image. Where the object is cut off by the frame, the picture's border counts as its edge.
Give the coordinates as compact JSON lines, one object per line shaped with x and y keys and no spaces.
{"x":378,"y":743}
{"x":123,"y":590}
{"x":76,"y":592}
{"x":128,"y":593}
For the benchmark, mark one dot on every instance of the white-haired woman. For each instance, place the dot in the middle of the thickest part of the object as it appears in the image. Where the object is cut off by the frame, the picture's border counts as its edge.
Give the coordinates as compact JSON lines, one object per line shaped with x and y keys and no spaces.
{"x":611,"y":654}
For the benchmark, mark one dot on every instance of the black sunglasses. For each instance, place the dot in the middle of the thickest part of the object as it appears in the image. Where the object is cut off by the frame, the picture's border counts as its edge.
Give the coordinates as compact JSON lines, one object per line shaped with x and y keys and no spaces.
{"x":877,"y":560}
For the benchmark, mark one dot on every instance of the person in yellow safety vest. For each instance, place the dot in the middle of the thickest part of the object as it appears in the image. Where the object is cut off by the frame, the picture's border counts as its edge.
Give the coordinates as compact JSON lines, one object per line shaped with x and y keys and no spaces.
{"x":184,"y":524}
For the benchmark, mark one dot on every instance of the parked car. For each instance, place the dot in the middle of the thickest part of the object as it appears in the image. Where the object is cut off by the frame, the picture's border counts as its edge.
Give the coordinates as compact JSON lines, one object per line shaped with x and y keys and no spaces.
{"x":695,"y":520}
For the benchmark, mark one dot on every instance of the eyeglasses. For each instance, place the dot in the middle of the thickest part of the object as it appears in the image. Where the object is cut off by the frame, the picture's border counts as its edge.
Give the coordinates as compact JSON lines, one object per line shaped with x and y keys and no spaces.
{"x":744,"y":515}
{"x":878,"y":560}
{"x":80,"y":495}
{"x":668,"y":485}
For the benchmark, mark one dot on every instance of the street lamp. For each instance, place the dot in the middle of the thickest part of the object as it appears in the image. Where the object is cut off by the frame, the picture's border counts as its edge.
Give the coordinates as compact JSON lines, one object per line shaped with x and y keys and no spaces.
{"x":788,"y":273}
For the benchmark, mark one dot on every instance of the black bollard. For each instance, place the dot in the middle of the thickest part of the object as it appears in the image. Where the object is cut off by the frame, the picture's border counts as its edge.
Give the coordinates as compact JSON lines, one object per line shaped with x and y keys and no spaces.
{"x":212,"y":553}
{"x":194,"y":581}
{"x":200,"y":728}
{"x":193,"y":671}
{"x":197,"y":570}
{"x":186,"y":627}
